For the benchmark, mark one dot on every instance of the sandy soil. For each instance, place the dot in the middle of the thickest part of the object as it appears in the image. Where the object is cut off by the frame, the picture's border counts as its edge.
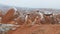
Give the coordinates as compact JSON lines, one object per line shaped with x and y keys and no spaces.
{"x":37,"y":29}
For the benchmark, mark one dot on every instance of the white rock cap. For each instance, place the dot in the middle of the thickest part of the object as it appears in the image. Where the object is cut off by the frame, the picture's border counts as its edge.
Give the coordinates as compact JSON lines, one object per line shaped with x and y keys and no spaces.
{"x":47,"y":12}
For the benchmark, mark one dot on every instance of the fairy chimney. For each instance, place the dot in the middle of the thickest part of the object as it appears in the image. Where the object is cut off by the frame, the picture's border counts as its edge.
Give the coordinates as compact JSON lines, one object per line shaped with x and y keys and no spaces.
{"x":48,"y":16}
{"x":9,"y":16}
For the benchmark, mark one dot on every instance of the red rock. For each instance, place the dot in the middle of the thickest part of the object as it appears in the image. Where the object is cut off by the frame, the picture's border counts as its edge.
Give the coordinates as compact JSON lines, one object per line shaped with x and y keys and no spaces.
{"x":1,"y":13}
{"x":8,"y":16}
{"x":20,"y":21}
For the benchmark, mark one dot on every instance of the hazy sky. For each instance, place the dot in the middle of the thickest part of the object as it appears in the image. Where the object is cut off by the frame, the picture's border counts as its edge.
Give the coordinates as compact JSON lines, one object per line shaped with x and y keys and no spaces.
{"x":32,"y":3}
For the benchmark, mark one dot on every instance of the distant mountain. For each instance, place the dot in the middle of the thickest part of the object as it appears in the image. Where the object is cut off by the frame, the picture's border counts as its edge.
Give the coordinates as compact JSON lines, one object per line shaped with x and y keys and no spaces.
{"x":5,"y":8}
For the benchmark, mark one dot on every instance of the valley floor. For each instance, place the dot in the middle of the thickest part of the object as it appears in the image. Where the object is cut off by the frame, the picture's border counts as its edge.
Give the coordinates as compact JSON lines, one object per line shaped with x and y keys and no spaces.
{"x":37,"y":29}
